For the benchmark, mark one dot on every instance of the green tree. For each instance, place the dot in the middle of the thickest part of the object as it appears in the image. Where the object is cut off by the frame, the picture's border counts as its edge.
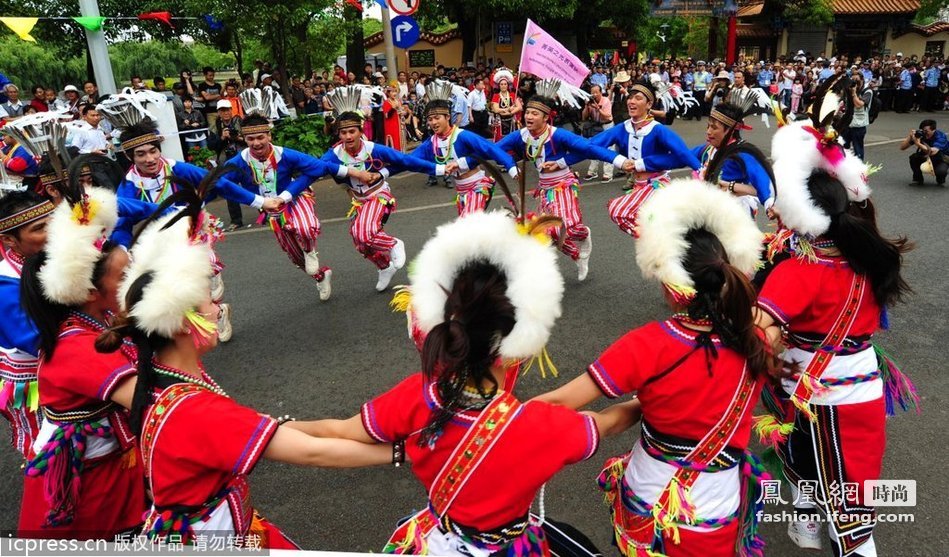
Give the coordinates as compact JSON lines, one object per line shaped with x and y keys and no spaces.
{"x":813,"y":12}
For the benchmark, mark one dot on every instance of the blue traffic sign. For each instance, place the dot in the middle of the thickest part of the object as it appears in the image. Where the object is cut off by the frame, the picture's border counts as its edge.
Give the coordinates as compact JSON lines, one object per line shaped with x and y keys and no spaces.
{"x":405,"y":31}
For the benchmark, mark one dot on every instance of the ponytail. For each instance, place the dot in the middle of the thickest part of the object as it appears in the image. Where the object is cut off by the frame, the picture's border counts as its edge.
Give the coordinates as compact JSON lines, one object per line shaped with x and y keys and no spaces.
{"x":146,"y":345}
{"x":463,"y":348}
{"x":47,"y":316}
{"x":726,"y":297}
{"x":854,"y":231}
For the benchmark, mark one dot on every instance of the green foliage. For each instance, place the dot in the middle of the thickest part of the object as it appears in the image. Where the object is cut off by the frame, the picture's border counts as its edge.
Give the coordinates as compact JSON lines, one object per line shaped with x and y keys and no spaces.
{"x":651,"y":33}
{"x":305,"y":134}
{"x":205,"y":55}
{"x":371,"y":26}
{"x":813,"y":12}
{"x":28,"y":64}
{"x":929,"y":11}
{"x":199,"y":156}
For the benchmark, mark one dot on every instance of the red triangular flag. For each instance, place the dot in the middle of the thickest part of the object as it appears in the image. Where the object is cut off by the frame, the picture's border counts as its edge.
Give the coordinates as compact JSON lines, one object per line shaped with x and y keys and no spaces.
{"x":163,"y":17}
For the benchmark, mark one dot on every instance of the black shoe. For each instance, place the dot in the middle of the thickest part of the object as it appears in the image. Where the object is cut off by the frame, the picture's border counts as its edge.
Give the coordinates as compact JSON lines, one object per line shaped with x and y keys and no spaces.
{"x":431,"y":183}
{"x":447,"y":185}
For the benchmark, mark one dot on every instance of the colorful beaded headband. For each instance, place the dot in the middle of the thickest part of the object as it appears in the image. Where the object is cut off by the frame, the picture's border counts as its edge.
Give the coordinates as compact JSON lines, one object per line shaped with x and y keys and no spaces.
{"x":26,"y":216}
{"x":650,"y":96}
{"x":144,"y":139}
{"x":348,"y":120}
{"x":537,"y":105}
{"x":438,"y":109}
{"x":728,"y":122}
{"x":259,"y":128}
{"x":50,"y":179}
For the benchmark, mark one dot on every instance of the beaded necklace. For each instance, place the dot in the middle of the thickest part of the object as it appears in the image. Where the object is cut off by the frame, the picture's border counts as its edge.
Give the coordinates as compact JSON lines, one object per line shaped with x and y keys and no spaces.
{"x":163,"y":192}
{"x":259,"y":170}
{"x":204,"y":381}
{"x":683,"y":318}
{"x":449,"y":153}
{"x":13,"y":258}
{"x":535,"y":147}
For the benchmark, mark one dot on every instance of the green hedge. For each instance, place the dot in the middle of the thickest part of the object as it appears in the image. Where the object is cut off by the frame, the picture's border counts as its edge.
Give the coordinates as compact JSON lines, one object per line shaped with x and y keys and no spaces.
{"x":305,"y":134}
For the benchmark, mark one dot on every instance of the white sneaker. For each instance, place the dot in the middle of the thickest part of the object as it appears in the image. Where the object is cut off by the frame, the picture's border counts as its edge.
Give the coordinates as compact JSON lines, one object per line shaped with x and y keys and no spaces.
{"x":324,"y":286}
{"x":224,"y":328}
{"x":583,"y":262}
{"x":217,"y":287}
{"x":311,"y":262}
{"x":385,"y":276}
{"x":806,"y":534}
{"x":586,"y":246}
{"x":397,"y":255}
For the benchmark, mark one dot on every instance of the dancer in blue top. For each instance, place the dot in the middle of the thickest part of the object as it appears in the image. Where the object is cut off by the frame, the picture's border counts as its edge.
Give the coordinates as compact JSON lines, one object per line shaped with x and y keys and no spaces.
{"x":548,"y":149}
{"x":283,"y":176}
{"x":654,"y":149}
{"x":23,"y":218}
{"x":448,"y":143}
{"x":372,"y":200}
{"x":733,"y":164}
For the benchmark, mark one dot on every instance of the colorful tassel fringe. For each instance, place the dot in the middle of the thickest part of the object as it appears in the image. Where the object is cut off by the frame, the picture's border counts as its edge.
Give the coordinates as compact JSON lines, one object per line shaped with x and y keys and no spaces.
{"x":544,"y":363}
{"x":771,"y":432}
{"x":898,"y":389}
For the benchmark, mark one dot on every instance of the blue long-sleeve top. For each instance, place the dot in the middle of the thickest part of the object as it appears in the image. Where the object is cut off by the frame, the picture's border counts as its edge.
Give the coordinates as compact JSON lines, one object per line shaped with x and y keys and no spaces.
{"x":17,"y":331}
{"x":139,"y":196}
{"x":131,"y":212}
{"x":654,"y":147}
{"x":745,"y":170}
{"x":295,"y":171}
{"x":377,"y":158}
{"x":24,"y":165}
{"x":560,"y":146}
{"x":461,"y":146}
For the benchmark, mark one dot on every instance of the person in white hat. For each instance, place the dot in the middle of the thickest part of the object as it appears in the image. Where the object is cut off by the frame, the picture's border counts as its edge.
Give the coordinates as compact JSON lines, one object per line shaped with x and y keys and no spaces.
{"x":72,"y":95}
{"x":226,"y":140}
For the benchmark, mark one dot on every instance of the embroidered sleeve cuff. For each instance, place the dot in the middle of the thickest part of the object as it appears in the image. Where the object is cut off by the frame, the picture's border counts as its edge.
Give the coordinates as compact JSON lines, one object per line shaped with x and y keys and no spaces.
{"x":768,"y":203}
{"x":562,"y":163}
{"x":593,"y":437}
{"x":439,"y":170}
{"x":619,"y":161}
{"x":463,"y":164}
{"x":286,"y":196}
{"x":343,"y":171}
{"x":773,"y":310}
{"x":384,"y":172}
{"x":258,"y":202}
{"x":640,"y":165}
{"x":512,"y":172}
{"x":256,"y":445}
{"x":602,"y":379}
{"x":368,"y":415}
{"x":112,"y":381}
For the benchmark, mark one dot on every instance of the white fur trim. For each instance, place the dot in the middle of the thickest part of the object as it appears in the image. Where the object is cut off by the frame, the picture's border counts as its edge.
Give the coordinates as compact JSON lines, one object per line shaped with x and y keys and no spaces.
{"x":681,"y":206}
{"x":71,"y":251}
{"x":534,"y":284}
{"x":796,"y":155}
{"x":181,"y":276}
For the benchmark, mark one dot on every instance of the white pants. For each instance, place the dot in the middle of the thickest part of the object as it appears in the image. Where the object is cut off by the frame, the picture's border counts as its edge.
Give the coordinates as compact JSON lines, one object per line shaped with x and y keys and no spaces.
{"x":595,"y":164}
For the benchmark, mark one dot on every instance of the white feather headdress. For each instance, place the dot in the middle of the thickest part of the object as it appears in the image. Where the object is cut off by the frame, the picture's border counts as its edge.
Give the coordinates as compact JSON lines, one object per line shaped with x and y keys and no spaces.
{"x":798,"y":149}
{"x":564,"y":92}
{"x":129,"y":107}
{"x":671,"y":95}
{"x":441,"y":90}
{"x":534,"y":284}
{"x":264,"y":102}
{"x":686,"y":204}
{"x":180,"y":264}
{"x":75,"y":238}
{"x":502,"y":74}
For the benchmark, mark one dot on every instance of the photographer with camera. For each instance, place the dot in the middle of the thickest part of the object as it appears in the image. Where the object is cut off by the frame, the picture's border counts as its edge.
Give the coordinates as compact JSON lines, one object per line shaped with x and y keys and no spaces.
{"x":597,"y":116}
{"x":857,"y":132}
{"x":719,"y":88}
{"x":932,"y":145}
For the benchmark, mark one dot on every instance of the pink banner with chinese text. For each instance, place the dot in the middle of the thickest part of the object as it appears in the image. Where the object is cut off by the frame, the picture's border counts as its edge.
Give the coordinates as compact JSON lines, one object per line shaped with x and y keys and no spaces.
{"x":545,"y":57}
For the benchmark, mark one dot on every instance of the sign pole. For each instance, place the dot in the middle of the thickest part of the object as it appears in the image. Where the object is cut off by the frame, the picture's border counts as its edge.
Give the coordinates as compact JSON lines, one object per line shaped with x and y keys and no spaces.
{"x":390,"y":45}
{"x":98,"y":50}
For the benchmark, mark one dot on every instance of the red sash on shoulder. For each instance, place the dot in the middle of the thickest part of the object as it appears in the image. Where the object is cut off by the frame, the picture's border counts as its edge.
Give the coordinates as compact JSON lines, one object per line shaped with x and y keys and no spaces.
{"x":493,"y":421}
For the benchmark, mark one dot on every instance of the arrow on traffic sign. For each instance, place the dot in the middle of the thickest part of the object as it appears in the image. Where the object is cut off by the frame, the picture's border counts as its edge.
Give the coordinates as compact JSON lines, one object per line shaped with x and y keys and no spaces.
{"x":405,"y":31}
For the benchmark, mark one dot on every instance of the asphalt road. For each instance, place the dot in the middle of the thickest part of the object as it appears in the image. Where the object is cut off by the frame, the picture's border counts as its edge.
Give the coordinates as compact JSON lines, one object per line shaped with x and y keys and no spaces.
{"x":292,"y":354}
